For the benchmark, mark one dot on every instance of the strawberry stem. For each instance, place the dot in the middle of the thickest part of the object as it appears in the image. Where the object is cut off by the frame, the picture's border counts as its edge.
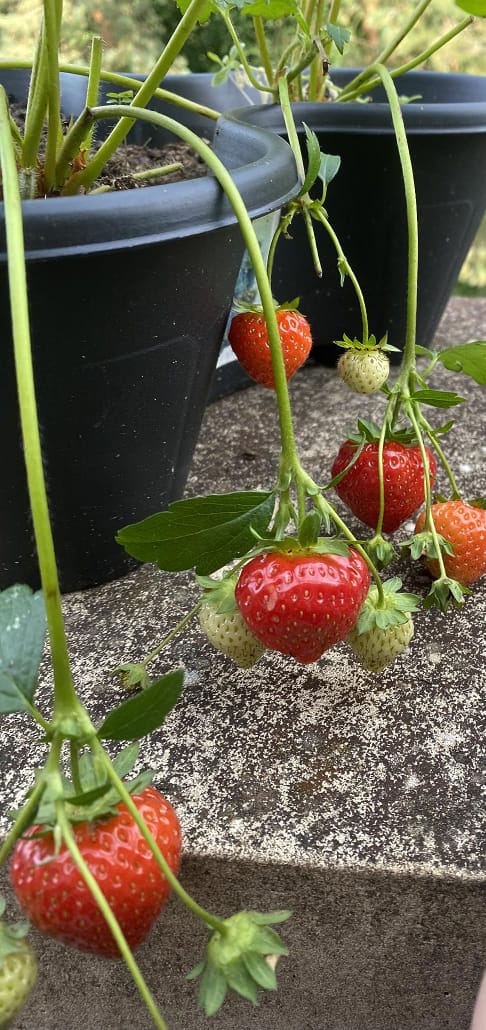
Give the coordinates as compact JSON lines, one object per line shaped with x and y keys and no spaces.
{"x":111,"y":920}
{"x":206,"y":917}
{"x":429,"y":522}
{"x":345,"y":269}
{"x":173,"y":633}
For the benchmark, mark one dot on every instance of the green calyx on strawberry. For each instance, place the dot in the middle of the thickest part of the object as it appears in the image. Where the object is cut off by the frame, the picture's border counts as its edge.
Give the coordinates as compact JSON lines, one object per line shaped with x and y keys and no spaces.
{"x":18,"y":968}
{"x":301,"y":601}
{"x":223,"y":624}
{"x":355,"y":473}
{"x":364,"y":366}
{"x":133,"y":676}
{"x":385,"y":626}
{"x":241,"y":958}
{"x":248,"y":336}
{"x":53,"y":893}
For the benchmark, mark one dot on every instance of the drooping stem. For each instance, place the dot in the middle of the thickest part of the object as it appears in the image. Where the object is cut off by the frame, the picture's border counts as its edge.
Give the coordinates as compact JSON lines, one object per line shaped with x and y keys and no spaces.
{"x":388,"y":50}
{"x":108,"y":915}
{"x":261,"y":39}
{"x":344,"y":265}
{"x":65,"y":697}
{"x":173,"y":633}
{"x":223,"y":176}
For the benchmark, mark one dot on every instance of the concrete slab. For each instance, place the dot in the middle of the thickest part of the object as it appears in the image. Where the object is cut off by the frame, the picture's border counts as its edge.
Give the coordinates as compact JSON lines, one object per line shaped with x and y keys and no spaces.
{"x":356,"y":800}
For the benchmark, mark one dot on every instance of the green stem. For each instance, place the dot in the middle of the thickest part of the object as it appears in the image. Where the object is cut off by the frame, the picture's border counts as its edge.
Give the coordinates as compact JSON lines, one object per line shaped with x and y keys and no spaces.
{"x":36,"y":101}
{"x":111,"y":920}
{"x":65,"y":699}
{"x":173,"y":633}
{"x":93,"y":86}
{"x":438,"y":447}
{"x":242,"y":55}
{"x":75,"y":771}
{"x":429,"y":522}
{"x":52,"y":16}
{"x":343,"y":262}
{"x":327,"y":509}
{"x":223,"y":176}
{"x":261,"y":39}
{"x":408,"y":360}
{"x":409,"y":65}
{"x":197,"y":910}
{"x":142,"y":97}
{"x":72,"y":143}
{"x":23,"y":820}
{"x":388,"y":50}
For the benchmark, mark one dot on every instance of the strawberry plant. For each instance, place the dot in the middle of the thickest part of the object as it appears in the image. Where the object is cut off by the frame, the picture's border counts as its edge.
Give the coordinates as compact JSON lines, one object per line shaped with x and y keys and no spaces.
{"x":94,"y":854}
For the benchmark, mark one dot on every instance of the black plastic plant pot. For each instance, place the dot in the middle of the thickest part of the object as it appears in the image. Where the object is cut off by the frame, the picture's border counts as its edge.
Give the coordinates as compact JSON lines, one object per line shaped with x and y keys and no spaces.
{"x":129,"y":294}
{"x":446,"y":130}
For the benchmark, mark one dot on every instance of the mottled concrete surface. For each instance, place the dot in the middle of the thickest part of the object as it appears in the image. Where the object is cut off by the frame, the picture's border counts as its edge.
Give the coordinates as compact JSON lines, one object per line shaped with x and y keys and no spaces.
{"x":357,"y":800}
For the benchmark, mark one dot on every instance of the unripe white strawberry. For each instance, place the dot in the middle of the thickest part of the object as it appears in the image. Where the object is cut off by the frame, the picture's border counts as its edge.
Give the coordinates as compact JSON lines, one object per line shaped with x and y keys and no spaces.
{"x":230,"y":634}
{"x":377,"y":648}
{"x":364,"y":371}
{"x":18,"y":971}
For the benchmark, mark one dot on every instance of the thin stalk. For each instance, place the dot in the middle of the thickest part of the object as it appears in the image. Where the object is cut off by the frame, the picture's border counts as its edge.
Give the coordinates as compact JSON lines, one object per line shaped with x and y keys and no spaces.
{"x":126,"y":80}
{"x":283,"y":90}
{"x":143,"y":96}
{"x":438,"y":447}
{"x":148,"y":173}
{"x":259,"y":27}
{"x":52,"y":16}
{"x":173,"y":633}
{"x":388,"y":50}
{"x":429,"y":522}
{"x":326,"y":509}
{"x":197,"y":910}
{"x":111,"y":920}
{"x":36,"y":101}
{"x":252,"y":79}
{"x":334,"y":11}
{"x":65,"y":697}
{"x":72,"y":143}
{"x":409,"y":357}
{"x":223,"y":176}
{"x":413,"y":63}
{"x":93,"y":86}
{"x":319,"y":214}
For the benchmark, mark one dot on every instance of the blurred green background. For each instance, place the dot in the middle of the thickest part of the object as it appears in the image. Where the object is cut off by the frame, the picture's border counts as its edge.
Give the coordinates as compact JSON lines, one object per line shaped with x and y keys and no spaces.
{"x":135,"y":31}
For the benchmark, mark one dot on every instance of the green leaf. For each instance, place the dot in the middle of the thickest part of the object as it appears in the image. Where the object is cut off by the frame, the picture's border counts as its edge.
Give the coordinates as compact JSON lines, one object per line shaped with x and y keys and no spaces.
{"x":239,"y":980}
{"x":313,"y":160}
{"x":309,"y":529}
{"x":204,"y":533}
{"x":475,"y":7}
{"x":144,"y":713}
{"x":437,"y":398}
{"x":212,"y":989}
{"x":125,"y":760}
{"x":260,"y":971}
{"x":469,"y":358}
{"x":338,"y":35}
{"x":194,"y":973}
{"x":329,"y":167}
{"x":264,"y":918}
{"x":329,"y":545}
{"x":22,"y":634}
{"x":268,"y":942}
{"x":205,"y":13}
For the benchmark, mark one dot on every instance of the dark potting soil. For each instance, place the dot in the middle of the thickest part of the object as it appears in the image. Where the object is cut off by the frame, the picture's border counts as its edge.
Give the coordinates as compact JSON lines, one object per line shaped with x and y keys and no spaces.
{"x":130,"y":159}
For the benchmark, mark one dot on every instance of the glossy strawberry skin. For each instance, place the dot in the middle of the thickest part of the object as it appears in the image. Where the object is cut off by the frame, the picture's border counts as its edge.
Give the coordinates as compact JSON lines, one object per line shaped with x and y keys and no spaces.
{"x":403,"y":480}
{"x":54,"y":896}
{"x":248,"y":337}
{"x":464,"y":526}
{"x":299,"y":603}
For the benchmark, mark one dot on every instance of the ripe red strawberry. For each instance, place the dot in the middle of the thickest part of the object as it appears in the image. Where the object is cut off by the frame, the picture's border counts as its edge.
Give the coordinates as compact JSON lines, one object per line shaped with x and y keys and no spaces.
{"x":54,"y":896}
{"x":464,"y":526}
{"x":249,"y":339}
{"x":403,"y":480}
{"x":302,"y":603}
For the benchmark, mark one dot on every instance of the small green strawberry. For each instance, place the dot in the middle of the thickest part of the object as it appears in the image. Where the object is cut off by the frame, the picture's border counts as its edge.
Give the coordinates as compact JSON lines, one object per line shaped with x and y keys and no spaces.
{"x":385,"y":626}
{"x":364,"y":366}
{"x":378,"y":647}
{"x":18,"y":969}
{"x":224,"y":626}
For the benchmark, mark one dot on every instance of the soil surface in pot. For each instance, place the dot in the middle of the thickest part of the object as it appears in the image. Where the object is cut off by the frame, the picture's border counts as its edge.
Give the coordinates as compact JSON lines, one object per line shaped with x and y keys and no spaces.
{"x":130,"y":159}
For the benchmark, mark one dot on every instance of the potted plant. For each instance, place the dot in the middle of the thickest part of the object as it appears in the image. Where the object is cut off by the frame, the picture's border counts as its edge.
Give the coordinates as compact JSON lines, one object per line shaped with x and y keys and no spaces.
{"x":278,"y":569}
{"x":118,"y":376}
{"x":445,"y":120}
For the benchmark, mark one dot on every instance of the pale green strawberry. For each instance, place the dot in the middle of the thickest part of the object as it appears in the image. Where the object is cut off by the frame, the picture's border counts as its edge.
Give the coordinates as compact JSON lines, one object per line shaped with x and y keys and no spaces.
{"x":230,"y":634}
{"x":364,"y":371}
{"x":377,"y":648}
{"x":18,"y":969}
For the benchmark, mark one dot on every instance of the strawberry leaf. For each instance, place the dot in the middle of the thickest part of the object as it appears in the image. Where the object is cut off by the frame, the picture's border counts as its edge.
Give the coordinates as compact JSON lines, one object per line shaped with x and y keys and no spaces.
{"x":328,"y":167}
{"x":269,"y":8}
{"x":144,"y":713}
{"x":309,"y":529}
{"x":437,"y":398}
{"x":313,"y":160}
{"x":22,"y":634}
{"x":469,"y":358}
{"x":338,"y":35}
{"x":212,"y":989}
{"x":475,"y":7}
{"x":204,"y":533}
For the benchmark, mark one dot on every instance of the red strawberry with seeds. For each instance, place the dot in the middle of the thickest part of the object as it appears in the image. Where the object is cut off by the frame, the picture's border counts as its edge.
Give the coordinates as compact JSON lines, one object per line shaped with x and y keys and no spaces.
{"x":464,"y":527}
{"x":248,"y":337}
{"x":302,"y":603}
{"x":54,"y":896}
{"x":403,"y":473}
